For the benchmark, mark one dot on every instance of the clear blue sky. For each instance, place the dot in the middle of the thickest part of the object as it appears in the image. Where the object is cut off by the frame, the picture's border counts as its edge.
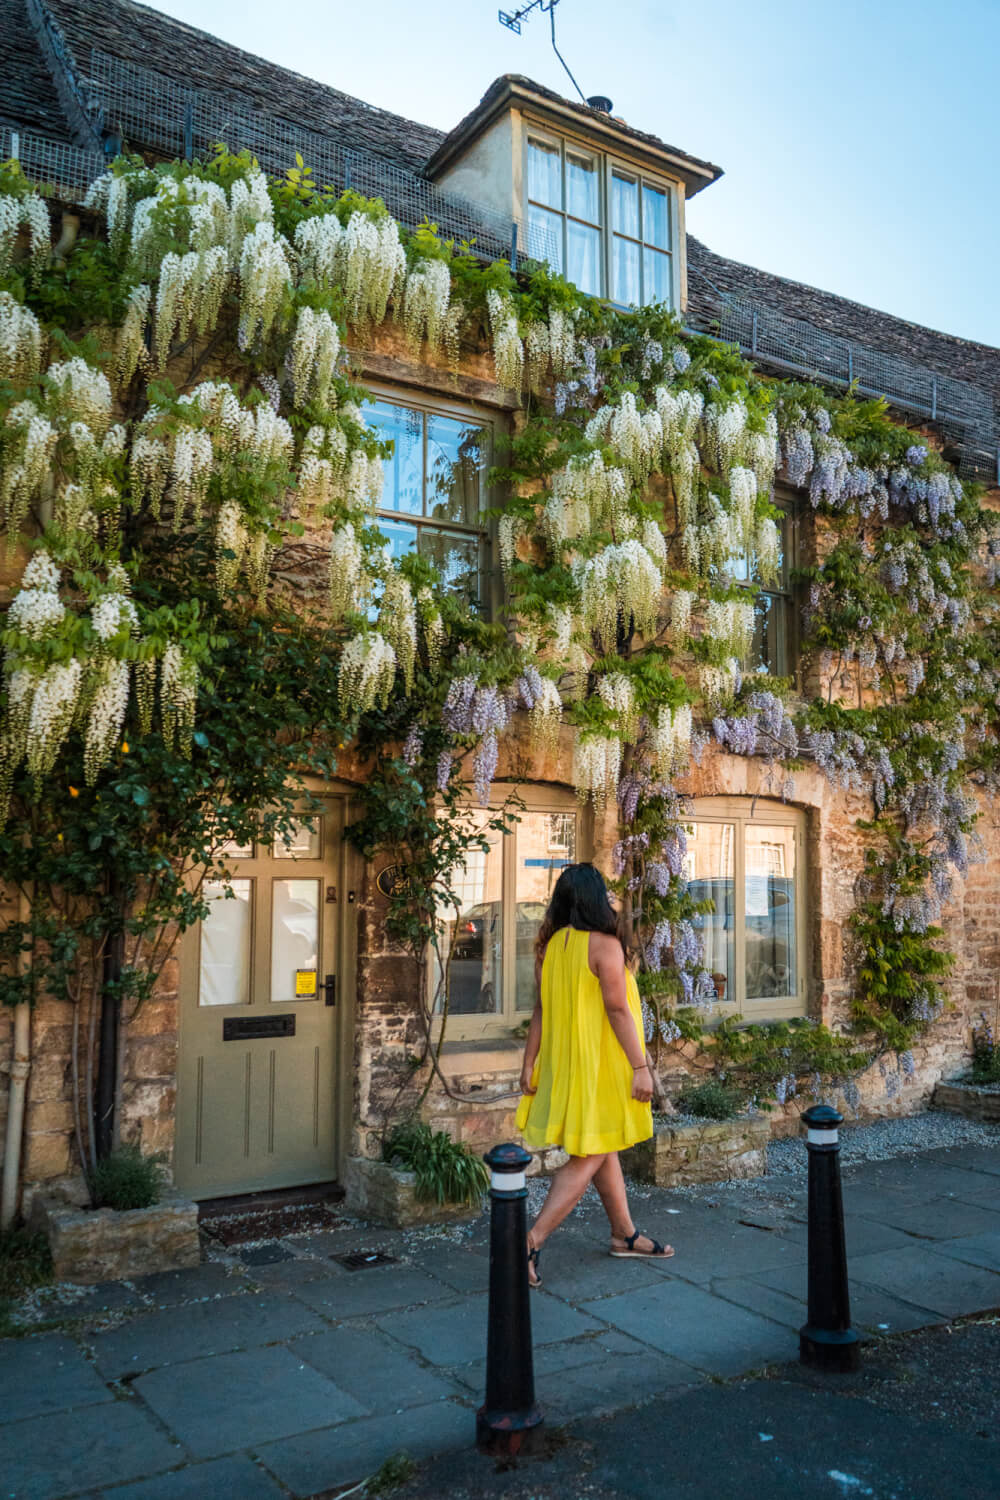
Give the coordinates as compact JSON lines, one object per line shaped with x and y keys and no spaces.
{"x":859,"y":140}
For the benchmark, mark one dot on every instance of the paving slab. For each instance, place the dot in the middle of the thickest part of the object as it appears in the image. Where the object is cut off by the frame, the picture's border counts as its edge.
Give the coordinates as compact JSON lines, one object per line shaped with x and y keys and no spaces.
{"x":598,"y":1388}
{"x":782,"y":1295}
{"x":361,"y":1294}
{"x":43,"y":1459}
{"x":89,"y":1303}
{"x":863,"y":1236}
{"x":945,"y":1285}
{"x":376,"y":1373}
{"x":691,"y":1325}
{"x":199,"y":1329}
{"x":976,"y":1250}
{"x":462,"y":1270}
{"x":583,"y":1271}
{"x":45,"y":1374}
{"x":234,"y":1401}
{"x":592,"y":1349}
{"x":941,"y":1219}
{"x":169,"y":1288}
{"x":732,"y":1250}
{"x":455,"y":1333}
{"x":289,"y":1275}
{"x":974,"y":1158}
{"x":222,"y":1479}
{"x":342,"y":1455}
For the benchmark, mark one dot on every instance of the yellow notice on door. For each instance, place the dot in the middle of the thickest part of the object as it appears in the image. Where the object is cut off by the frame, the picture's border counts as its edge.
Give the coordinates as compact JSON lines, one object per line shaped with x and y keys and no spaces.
{"x":305,"y":981}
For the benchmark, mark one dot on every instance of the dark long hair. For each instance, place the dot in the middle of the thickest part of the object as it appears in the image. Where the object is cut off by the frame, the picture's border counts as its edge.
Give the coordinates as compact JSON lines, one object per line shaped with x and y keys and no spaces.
{"x":580,"y":900}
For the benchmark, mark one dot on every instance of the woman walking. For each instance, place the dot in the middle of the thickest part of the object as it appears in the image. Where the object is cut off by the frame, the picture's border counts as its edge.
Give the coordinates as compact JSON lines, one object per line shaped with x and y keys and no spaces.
{"x":586,"y":1077}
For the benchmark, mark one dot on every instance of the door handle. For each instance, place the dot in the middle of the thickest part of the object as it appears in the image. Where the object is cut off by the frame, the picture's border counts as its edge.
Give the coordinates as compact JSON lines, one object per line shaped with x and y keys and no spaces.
{"x":330,"y":989}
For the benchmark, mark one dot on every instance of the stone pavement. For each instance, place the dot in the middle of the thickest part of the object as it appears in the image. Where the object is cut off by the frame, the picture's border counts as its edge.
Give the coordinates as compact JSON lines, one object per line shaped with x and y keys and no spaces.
{"x":293,"y":1375}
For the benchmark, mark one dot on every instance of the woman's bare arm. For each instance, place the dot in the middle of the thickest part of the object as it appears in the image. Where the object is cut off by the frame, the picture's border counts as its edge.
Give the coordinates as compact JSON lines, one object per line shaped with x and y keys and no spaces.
{"x":534,"y":1038}
{"x":607,"y":961}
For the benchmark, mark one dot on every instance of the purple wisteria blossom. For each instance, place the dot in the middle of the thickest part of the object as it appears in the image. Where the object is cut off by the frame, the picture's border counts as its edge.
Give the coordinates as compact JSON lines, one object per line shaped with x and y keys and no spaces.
{"x":484,"y":766}
{"x":413,"y":745}
{"x":443,"y":770}
{"x":456,"y":715}
{"x":681,"y":359}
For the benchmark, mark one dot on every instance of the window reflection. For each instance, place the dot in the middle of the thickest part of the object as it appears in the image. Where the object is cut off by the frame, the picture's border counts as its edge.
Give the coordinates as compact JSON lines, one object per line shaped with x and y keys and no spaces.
{"x":770,"y":913}
{"x":224,"y":974}
{"x":476,"y":932}
{"x":711,"y":873}
{"x":546,"y":844}
{"x":294,"y":936}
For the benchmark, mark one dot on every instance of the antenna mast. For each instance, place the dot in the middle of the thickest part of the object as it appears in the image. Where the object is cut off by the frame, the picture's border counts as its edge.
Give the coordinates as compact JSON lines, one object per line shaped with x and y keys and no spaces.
{"x":513,"y":23}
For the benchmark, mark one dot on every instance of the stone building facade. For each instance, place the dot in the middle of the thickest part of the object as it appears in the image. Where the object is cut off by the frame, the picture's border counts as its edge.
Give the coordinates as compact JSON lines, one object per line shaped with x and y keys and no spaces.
{"x":807,"y":849}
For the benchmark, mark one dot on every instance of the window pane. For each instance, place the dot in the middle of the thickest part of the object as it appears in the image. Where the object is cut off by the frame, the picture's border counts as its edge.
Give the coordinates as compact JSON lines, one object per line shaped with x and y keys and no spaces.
{"x":232,"y":850}
{"x":626,"y":273}
{"x":454,"y":465}
{"x":301,"y":843}
{"x":400,"y":537}
{"x":546,"y":844}
{"x":656,"y":277}
{"x":456,"y":559}
{"x":476,"y":987}
{"x":294,"y":936}
{"x":655,"y":217}
{"x":711,"y":872}
{"x":625,"y":205}
{"x":770,"y":913}
{"x":224,"y":977}
{"x":544,"y":173}
{"x":546,"y":236}
{"x":583,"y":196}
{"x":403,"y":485}
{"x":583,"y":246}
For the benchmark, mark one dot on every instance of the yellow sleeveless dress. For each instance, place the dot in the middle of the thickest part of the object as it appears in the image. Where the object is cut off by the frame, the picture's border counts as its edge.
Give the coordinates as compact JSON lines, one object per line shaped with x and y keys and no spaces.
{"x":583,"y":1078}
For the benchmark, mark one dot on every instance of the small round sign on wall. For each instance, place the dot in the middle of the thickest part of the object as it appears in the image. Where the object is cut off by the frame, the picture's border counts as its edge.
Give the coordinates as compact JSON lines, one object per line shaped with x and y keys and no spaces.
{"x":392,"y":881}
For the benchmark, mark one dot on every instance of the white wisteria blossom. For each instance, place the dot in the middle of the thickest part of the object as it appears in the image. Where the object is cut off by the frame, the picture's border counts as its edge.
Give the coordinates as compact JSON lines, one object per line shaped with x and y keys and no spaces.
{"x":30,"y":444}
{"x":178,"y":697}
{"x":671,"y":739}
{"x":731,"y":623}
{"x":20,"y":340}
{"x":265,"y":282}
{"x":349,"y":581}
{"x":374,"y":265}
{"x":768,"y":549}
{"x":108,"y":708}
{"x":312,"y":357}
{"x":427,"y":306}
{"x":397,"y":620}
{"x":596,"y":768}
{"x":545,"y":716}
{"x":81,"y":393}
{"x":31,"y":212}
{"x":587,"y":495}
{"x":130,"y":344}
{"x":367,"y":673}
{"x":508,"y":350}
{"x":680,"y":613}
{"x":621,"y":581}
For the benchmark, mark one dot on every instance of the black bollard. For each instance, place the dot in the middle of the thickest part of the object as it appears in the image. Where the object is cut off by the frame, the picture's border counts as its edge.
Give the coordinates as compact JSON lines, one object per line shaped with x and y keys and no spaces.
{"x":508,"y":1422}
{"x":827,"y":1341}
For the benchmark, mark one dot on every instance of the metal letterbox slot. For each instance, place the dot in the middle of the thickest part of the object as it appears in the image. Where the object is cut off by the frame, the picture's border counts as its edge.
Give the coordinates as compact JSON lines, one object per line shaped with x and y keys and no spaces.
{"x":248,"y":1028}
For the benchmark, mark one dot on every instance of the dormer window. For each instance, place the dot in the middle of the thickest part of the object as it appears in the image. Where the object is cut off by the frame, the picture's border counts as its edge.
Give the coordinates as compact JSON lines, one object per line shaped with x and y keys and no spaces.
{"x":611,"y":227}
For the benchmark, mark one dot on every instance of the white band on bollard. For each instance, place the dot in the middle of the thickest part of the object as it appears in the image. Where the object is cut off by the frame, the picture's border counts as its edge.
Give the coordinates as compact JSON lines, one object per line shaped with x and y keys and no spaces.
{"x":822,"y":1137}
{"x":506,"y":1182}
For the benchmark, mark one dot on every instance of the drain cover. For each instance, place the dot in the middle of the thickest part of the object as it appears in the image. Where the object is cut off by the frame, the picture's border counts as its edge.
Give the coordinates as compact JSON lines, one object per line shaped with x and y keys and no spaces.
{"x":265,"y":1255}
{"x":360,"y":1260}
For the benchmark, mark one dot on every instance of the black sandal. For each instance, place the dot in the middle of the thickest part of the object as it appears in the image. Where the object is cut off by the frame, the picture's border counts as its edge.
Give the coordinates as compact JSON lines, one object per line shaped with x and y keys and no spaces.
{"x":658,"y":1252}
{"x":533,"y":1266}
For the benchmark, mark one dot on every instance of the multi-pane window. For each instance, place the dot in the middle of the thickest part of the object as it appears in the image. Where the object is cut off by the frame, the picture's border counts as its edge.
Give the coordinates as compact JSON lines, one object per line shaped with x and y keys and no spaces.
{"x":503,"y":895}
{"x":433,"y":494}
{"x":641,"y":271}
{"x":564,"y":202}
{"x":608,"y":229}
{"x":747,"y":857}
{"x":773,"y":647}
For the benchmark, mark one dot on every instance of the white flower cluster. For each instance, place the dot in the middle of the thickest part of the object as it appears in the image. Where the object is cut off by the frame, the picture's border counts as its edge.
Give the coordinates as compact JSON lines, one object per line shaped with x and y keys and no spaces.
{"x":30,"y":444}
{"x":367,"y":673}
{"x":397,"y":620}
{"x":587,"y":495}
{"x":680,"y":614}
{"x":671,"y":739}
{"x":365,"y":259}
{"x":81,"y":393}
{"x":545,"y":716}
{"x":32,"y":212}
{"x":636,"y":437}
{"x":349,"y":581}
{"x":20,"y":340}
{"x":508,"y":351}
{"x":550,"y":347}
{"x":596,"y":768}
{"x":616,"y":692}
{"x":265,"y":282}
{"x":428,"y":312}
{"x":731,"y":624}
{"x":178,"y":697}
{"x":130,"y":345}
{"x":312,"y":357}
{"x":621,"y":581}
{"x":433,"y":625}
{"x":718,"y":684}
{"x":108,"y":707}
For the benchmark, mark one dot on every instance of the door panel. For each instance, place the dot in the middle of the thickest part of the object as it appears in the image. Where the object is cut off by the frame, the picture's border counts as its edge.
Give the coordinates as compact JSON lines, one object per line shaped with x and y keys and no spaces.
{"x":257,"y":1071}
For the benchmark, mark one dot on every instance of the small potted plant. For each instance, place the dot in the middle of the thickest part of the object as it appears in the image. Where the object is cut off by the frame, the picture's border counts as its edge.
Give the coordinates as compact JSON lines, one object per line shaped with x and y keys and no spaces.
{"x":424,"y":1177}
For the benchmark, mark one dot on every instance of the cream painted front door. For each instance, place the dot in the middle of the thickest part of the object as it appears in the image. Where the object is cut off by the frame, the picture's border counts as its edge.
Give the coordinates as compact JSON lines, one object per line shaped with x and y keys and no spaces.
{"x":257,"y":1071}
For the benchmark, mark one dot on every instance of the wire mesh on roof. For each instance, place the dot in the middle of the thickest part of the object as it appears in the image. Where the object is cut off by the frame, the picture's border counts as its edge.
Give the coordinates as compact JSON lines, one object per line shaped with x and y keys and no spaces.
{"x":964,"y":412}
{"x":149,"y":109}
{"x":62,"y":170}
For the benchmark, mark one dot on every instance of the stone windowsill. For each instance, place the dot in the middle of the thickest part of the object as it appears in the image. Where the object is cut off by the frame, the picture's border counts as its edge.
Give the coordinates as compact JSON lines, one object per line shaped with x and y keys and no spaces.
{"x":489,"y":1055}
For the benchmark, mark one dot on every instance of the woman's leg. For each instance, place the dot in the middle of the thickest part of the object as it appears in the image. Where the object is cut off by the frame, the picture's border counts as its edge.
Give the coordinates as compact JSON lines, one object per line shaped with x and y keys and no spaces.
{"x":568,"y":1186}
{"x":609,"y":1180}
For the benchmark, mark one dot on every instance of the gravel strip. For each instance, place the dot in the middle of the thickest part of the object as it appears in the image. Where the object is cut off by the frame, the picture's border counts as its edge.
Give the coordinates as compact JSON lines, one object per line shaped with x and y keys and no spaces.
{"x":884,"y":1139}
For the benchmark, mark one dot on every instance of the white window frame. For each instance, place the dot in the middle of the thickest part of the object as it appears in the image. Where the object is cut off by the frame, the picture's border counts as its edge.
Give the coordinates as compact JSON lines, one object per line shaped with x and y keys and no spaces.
{"x":756,"y":812}
{"x":782,"y":594}
{"x":607,"y":164}
{"x":500,"y":1023}
{"x":430,"y":406}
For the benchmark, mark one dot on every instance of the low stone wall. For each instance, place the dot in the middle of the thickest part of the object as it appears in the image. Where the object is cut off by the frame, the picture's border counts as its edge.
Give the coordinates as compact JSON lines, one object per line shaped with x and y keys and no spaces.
{"x":103,"y":1244}
{"x":375,"y":1190}
{"x":714,"y":1151}
{"x":974,"y":1101}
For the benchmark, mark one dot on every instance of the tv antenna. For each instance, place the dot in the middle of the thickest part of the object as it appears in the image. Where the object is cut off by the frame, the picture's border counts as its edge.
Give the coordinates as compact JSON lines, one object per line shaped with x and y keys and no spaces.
{"x":513,"y":23}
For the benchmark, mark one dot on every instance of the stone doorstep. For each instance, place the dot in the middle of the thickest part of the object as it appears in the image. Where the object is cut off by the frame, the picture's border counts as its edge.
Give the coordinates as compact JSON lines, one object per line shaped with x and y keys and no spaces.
{"x":94,"y":1245}
{"x":377,"y":1191}
{"x":968,"y":1100}
{"x":719,"y":1150}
